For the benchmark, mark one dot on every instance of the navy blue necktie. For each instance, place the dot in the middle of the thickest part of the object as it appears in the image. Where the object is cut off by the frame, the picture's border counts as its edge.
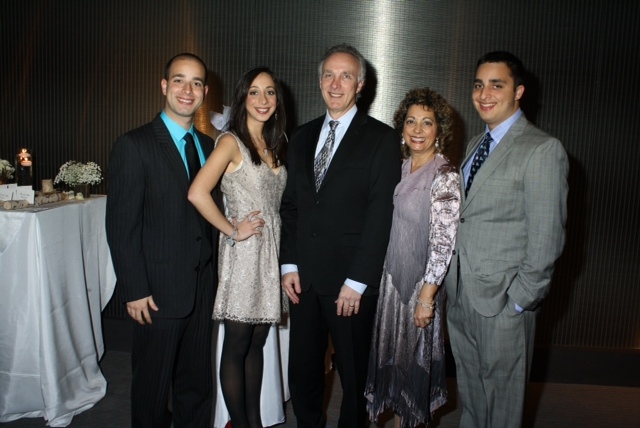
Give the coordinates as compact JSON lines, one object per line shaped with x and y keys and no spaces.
{"x":481,"y":155}
{"x":193,"y":160}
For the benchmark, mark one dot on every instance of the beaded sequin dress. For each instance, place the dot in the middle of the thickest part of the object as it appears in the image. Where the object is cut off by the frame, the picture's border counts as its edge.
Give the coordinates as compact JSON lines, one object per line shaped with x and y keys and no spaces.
{"x":249,"y":273}
{"x":406,"y":363}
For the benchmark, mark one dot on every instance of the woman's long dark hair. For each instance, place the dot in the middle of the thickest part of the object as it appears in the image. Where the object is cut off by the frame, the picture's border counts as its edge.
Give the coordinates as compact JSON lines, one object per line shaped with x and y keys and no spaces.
{"x":274,"y":128}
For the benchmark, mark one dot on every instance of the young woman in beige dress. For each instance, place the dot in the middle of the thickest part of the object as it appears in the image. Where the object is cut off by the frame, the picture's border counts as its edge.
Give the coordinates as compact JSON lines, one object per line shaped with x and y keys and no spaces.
{"x":248,"y":161}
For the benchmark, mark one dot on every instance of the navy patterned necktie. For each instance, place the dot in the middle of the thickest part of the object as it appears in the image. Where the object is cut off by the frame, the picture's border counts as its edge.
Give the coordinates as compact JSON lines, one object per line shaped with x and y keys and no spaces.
{"x":193,"y":160}
{"x":321,"y":162}
{"x":481,"y":155}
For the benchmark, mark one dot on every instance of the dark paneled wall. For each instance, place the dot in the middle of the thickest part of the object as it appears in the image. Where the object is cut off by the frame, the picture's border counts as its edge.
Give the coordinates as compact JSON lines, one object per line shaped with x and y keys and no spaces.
{"x":77,"y":74}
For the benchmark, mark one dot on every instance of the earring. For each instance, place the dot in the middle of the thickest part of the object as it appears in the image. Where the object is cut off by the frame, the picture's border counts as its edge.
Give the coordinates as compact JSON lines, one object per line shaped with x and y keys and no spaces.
{"x":276,"y":115}
{"x":402,"y":141}
{"x":437,"y":143}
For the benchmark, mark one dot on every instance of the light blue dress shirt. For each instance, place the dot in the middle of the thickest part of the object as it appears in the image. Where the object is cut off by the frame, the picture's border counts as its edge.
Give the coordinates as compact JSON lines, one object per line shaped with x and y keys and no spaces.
{"x":177,"y":133}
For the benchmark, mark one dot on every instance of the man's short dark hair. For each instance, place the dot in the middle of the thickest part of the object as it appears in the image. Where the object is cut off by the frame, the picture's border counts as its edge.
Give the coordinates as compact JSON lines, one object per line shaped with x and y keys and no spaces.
{"x":184,"y":55}
{"x":510,"y":60}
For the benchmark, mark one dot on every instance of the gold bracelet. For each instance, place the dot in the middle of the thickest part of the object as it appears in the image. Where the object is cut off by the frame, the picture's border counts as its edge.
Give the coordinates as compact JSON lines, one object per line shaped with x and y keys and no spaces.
{"x":431,"y":305}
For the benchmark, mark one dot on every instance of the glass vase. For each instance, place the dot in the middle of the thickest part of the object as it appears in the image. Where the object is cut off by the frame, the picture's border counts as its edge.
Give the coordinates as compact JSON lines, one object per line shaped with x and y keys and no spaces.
{"x":85,"y":189}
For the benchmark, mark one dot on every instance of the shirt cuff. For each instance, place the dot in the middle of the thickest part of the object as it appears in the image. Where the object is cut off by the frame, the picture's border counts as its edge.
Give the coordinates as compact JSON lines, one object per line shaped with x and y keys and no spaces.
{"x":518,"y":308}
{"x":285,"y":269}
{"x":355,"y":285}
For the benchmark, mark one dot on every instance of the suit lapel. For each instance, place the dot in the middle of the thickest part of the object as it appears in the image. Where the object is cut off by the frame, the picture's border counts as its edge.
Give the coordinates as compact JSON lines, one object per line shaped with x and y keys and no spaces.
{"x":169,"y":149}
{"x":310,"y":154}
{"x":495,"y":158}
{"x":204,"y":144}
{"x":471,"y":148}
{"x":351,"y":137}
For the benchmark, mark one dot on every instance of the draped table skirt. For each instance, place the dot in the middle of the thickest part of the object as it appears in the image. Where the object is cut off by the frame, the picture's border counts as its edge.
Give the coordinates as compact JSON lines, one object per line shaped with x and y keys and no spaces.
{"x":56,"y":277}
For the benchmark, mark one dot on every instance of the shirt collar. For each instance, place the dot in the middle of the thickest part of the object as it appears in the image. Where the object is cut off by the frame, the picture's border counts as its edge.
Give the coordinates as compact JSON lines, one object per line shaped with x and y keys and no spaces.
{"x":499,"y":131}
{"x":345,"y":119}
{"x":177,"y":132}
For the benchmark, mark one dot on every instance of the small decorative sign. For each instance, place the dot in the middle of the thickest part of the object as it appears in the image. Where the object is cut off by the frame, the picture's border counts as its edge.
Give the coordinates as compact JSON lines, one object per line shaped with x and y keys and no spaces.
{"x":25,"y":193}
{"x":7,"y":191}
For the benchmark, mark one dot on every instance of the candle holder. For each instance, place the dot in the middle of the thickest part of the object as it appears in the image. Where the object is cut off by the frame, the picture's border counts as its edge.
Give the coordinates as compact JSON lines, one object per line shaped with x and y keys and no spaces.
{"x":47,"y":186}
{"x":24,"y":168}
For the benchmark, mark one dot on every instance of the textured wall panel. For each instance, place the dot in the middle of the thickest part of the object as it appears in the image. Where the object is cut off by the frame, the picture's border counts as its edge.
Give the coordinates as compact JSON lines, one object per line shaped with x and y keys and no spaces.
{"x":76,"y":77}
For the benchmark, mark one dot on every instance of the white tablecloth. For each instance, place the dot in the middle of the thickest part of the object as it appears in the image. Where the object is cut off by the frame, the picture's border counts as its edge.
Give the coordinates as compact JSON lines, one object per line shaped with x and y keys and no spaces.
{"x":56,"y":276}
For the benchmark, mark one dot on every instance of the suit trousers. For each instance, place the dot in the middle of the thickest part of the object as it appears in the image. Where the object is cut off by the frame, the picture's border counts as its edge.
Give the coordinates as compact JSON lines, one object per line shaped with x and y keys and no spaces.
{"x":493,"y":360}
{"x":312,"y":320}
{"x":175,"y":352}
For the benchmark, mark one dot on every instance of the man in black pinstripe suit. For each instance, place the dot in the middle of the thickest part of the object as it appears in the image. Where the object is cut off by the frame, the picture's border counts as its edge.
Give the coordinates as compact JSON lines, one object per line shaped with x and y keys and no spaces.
{"x":164,"y":256}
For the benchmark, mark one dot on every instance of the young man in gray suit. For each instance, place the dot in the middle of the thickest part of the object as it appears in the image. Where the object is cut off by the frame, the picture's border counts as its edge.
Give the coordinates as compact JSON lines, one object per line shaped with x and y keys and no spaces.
{"x":512,"y":229}
{"x":163,"y":253}
{"x":336,"y":217}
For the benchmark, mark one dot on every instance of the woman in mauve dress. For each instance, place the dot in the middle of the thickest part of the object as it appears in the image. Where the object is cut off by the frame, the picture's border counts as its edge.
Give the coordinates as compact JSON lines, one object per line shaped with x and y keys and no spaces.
{"x":406,"y":365}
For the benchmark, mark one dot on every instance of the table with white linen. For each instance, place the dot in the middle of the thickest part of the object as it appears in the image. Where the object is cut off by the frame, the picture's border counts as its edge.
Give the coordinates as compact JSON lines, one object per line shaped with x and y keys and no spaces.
{"x":56,"y":276}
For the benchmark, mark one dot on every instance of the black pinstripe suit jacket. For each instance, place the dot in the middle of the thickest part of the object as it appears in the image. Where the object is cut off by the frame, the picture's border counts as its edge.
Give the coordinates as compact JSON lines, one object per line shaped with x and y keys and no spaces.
{"x":158,"y":240}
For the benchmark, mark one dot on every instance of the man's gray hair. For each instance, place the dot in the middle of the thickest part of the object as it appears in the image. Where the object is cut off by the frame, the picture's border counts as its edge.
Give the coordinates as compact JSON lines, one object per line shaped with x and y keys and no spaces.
{"x":350,"y":50}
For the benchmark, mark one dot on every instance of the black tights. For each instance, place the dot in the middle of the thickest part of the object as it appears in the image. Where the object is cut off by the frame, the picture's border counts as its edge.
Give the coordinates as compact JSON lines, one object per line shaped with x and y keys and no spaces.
{"x":241,"y":369}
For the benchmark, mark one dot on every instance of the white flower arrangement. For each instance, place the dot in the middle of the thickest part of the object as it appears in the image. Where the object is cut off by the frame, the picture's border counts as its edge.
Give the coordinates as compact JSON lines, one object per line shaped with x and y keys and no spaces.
{"x":75,"y":173}
{"x":6,"y":169}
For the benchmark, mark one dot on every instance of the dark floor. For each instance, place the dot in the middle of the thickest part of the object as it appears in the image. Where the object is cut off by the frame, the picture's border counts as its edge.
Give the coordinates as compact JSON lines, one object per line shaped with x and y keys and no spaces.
{"x":549,"y":404}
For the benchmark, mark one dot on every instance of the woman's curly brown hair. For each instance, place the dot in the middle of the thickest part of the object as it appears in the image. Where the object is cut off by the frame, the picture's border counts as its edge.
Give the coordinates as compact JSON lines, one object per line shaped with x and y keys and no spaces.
{"x":434,"y":102}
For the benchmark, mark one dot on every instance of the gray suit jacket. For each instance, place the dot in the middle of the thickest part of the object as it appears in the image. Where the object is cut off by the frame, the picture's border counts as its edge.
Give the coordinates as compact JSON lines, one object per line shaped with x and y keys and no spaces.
{"x":512,"y":223}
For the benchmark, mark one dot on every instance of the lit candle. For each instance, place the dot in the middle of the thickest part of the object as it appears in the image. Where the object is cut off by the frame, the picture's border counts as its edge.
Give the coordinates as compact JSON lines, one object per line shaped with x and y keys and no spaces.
{"x":24,"y":164}
{"x":25,"y":158}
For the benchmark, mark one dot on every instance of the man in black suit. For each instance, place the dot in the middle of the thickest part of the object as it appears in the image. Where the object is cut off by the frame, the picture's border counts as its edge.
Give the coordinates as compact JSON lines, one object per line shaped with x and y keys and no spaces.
{"x":162,"y":252}
{"x":335,"y":229}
